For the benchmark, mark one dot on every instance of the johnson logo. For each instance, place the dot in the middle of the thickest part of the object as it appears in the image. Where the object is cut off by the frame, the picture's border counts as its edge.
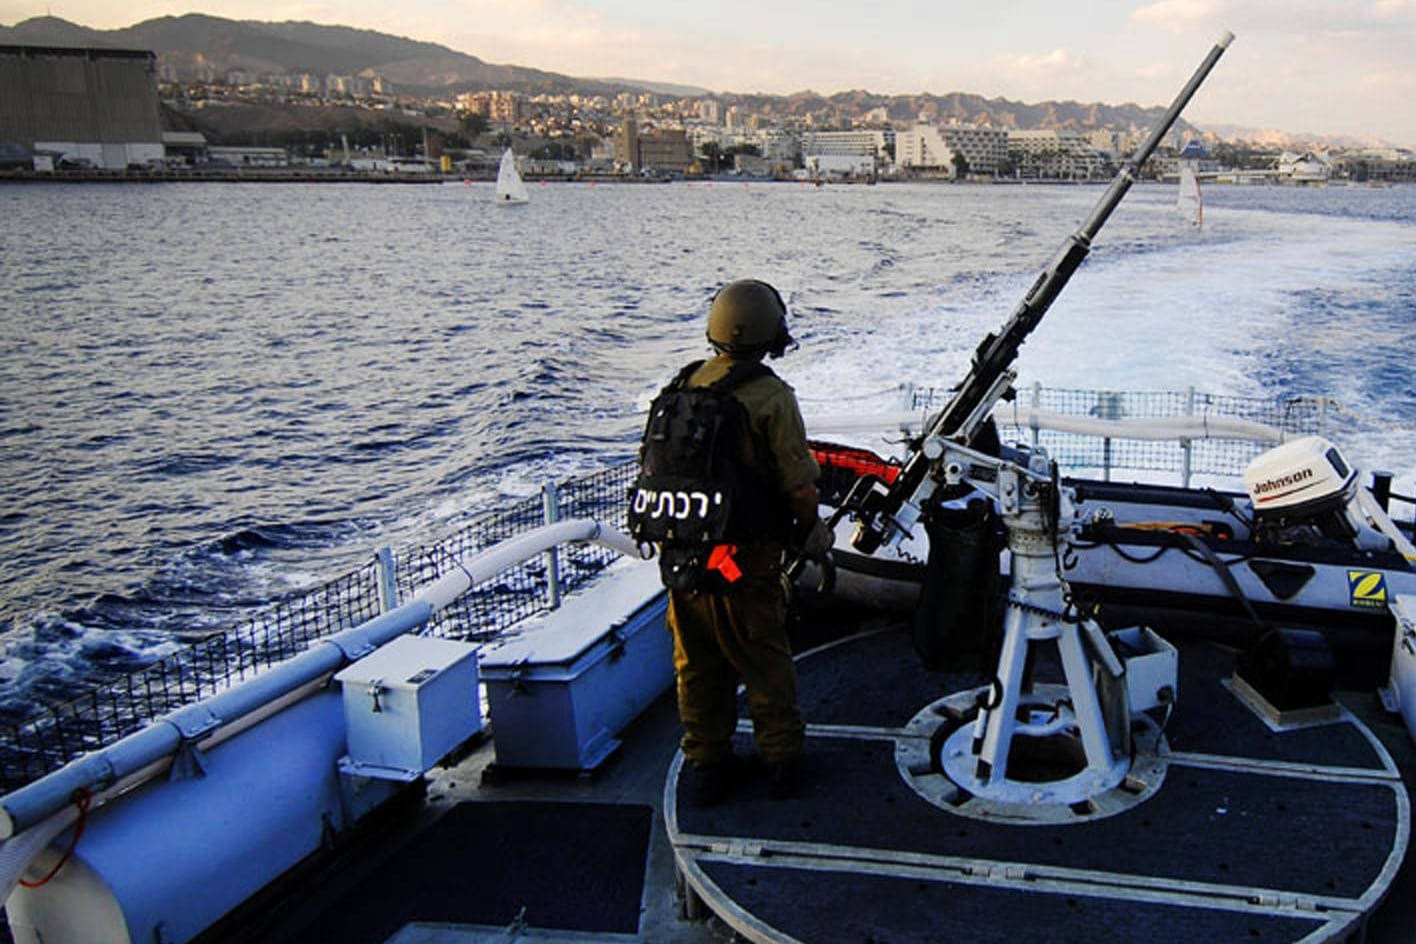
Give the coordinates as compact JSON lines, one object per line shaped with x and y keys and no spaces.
{"x":1284,"y":481}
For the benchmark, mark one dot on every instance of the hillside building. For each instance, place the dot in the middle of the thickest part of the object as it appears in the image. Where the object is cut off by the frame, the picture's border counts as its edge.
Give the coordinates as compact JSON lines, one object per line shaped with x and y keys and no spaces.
{"x":497,"y":106}
{"x":778,"y":145}
{"x":92,"y":107}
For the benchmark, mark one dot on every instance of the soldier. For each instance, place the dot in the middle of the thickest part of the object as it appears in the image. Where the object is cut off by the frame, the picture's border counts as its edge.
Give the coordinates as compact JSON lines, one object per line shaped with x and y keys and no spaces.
{"x":735,"y":628}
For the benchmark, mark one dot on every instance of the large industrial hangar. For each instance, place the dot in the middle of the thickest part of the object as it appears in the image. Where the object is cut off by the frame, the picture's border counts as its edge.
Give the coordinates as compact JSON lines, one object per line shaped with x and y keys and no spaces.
{"x":90,"y":107}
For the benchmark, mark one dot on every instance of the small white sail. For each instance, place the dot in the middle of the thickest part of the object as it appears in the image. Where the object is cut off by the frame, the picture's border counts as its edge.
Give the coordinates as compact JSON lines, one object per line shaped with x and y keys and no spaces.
{"x":510,"y":187}
{"x":1190,"y":203}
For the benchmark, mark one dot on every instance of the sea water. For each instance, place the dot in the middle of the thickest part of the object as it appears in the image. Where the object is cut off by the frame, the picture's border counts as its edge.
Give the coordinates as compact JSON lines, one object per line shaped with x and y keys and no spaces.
{"x":215,"y":394}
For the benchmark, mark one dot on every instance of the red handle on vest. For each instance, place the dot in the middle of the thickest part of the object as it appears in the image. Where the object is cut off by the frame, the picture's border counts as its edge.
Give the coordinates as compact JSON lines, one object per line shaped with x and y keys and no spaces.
{"x":721,"y":560}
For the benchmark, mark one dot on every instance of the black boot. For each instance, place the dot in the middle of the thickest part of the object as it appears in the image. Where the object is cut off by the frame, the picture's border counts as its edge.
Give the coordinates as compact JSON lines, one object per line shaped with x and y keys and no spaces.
{"x":784,"y":778}
{"x":712,"y":782}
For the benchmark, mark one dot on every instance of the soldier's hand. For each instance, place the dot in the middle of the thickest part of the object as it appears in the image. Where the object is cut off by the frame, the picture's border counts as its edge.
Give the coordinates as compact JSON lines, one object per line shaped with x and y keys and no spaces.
{"x":819,"y":541}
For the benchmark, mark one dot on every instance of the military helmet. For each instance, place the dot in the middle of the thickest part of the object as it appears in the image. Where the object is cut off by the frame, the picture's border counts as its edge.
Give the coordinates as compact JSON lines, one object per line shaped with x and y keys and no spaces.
{"x":748,"y":319}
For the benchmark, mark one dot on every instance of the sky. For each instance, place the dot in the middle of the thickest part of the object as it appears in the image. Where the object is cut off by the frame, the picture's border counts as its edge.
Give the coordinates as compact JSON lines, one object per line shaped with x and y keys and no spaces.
{"x":1330,"y":67}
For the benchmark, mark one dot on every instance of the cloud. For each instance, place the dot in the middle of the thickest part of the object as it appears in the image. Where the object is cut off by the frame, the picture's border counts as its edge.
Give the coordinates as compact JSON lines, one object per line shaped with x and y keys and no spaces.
{"x":1388,"y":84}
{"x":1059,"y":62}
{"x":1393,"y":10}
{"x":1155,"y":71}
{"x":544,"y":34}
{"x":1291,"y":17}
{"x":1178,"y":16}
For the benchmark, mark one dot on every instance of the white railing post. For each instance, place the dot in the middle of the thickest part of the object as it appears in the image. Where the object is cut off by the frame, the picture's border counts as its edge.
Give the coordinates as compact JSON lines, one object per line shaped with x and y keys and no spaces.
{"x":1187,"y":444}
{"x":387,"y":578}
{"x":1108,"y":407}
{"x":1037,"y":405}
{"x":550,"y":503}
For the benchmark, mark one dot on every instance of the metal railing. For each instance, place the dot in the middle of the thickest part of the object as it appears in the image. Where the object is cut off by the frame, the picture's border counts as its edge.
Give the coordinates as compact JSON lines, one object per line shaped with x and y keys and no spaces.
{"x":99,"y":717}
{"x":112,"y":710}
{"x":1184,"y":457}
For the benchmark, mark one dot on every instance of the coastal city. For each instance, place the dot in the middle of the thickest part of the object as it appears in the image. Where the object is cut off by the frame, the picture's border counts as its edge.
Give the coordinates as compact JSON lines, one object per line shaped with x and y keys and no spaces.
{"x":660,"y":135}
{"x":165,"y":122}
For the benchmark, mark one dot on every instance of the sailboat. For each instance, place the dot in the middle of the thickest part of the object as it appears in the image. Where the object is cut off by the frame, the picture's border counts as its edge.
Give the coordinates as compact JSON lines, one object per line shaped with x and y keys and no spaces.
{"x":510,"y":187}
{"x":1189,"y":202}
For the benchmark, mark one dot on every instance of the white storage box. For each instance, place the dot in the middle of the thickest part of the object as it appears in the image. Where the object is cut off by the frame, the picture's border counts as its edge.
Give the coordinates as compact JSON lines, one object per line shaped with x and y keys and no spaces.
{"x":563,"y":688}
{"x":408,"y":704}
{"x":1152,"y":667}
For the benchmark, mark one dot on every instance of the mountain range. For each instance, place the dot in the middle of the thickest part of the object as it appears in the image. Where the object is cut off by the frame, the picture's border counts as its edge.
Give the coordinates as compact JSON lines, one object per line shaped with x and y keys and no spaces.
{"x":195,"y":43}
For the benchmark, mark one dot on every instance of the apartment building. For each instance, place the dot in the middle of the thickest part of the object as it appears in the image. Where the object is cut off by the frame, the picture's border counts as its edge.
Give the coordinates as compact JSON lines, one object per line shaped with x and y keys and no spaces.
{"x":1053,"y":153}
{"x":498,"y":106}
{"x":923,"y":148}
{"x":865,"y":143}
{"x":985,"y":150}
{"x":667,"y":150}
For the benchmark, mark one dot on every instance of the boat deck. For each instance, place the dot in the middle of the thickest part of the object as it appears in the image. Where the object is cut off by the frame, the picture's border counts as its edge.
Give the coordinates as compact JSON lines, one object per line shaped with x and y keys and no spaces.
{"x":1253,"y":835}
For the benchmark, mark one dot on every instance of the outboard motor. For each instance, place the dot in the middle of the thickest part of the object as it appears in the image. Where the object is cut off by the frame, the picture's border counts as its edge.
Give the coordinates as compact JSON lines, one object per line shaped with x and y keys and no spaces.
{"x":1302,"y":492}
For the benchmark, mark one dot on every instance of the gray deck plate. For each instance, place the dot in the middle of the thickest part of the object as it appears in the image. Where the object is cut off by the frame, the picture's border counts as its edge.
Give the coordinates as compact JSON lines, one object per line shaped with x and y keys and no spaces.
{"x":820,"y":907}
{"x":1310,"y":824}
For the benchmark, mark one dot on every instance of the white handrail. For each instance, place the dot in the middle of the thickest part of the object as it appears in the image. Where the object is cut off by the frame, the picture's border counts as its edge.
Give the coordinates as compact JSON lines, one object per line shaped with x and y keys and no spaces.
{"x":1197,"y":426}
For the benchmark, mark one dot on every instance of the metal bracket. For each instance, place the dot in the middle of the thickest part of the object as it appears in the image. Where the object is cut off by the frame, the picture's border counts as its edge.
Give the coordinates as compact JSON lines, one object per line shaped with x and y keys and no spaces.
{"x":349,"y":767}
{"x":738,"y":848}
{"x":517,"y":676}
{"x":617,"y":638}
{"x":194,"y":725}
{"x":354,"y":651}
{"x":376,"y":691}
{"x":189,"y":763}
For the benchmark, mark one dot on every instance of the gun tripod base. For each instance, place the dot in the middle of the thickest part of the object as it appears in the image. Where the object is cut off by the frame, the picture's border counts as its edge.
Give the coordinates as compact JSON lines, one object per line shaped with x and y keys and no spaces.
{"x":1048,"y":779}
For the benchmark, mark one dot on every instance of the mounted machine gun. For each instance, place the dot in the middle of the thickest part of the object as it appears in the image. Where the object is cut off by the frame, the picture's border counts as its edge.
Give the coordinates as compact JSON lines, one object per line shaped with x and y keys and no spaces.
{"x":1037,"y":512}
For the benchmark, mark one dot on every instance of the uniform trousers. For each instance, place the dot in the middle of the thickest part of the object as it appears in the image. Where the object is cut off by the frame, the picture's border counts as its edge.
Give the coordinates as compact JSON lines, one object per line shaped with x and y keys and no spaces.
{"x":736,"y":634}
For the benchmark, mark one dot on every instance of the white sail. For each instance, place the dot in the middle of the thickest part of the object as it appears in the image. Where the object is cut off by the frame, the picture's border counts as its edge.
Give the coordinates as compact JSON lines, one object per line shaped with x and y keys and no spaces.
{"x":510,"y":187}
{"x":1190,"y":203}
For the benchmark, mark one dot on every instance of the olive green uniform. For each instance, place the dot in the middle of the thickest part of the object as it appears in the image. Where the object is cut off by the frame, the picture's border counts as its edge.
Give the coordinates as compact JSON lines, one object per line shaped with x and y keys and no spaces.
{"x":740,"y":633}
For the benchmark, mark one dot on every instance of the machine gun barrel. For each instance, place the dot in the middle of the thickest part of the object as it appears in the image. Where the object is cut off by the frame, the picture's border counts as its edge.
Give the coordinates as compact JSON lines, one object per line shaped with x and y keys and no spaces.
{"x":975,"y":398}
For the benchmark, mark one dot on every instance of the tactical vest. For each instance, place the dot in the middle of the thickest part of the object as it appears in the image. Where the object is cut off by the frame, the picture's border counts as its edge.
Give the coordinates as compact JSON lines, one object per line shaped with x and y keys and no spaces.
{"x":693,"y":493}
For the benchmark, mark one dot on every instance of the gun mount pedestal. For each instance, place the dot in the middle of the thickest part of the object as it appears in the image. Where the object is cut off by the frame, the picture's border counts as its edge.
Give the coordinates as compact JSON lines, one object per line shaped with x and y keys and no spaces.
{"x":1077,"y":742}
{"x":1025,"y":750}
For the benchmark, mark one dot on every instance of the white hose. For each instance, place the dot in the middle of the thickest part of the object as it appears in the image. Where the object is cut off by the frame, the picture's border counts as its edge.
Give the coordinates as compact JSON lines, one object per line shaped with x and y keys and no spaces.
{"x":17,"y":852}
{"x":508,"y":553}
{"x":1196,"y":426}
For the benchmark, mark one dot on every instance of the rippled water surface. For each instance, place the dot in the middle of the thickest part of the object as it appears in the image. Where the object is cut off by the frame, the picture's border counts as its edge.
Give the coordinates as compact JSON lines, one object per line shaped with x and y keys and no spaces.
{"x":213,"y":394}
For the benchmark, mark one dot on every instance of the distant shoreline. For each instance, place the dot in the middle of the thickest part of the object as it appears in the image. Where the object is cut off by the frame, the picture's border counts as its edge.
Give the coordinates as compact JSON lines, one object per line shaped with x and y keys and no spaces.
{"x":294,"y":176}
{"x":316,"y":176}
